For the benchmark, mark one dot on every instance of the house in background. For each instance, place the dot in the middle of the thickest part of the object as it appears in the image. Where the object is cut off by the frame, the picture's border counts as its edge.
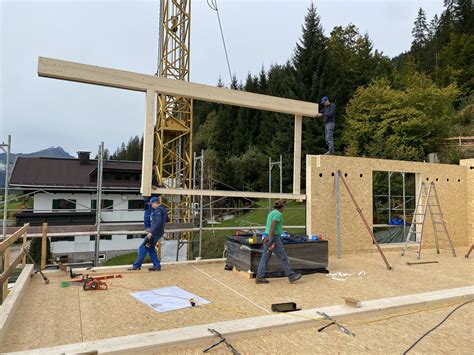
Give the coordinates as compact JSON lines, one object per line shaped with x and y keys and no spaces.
{"x":64,"y":193}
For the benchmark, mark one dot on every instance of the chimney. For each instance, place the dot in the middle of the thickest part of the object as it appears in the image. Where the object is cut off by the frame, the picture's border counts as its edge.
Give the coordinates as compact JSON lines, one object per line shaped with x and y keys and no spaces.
{"x":84,"y":157}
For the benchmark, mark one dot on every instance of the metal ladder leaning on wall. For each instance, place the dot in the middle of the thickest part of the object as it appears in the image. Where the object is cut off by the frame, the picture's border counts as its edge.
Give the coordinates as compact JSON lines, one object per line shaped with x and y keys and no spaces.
{"x":427,"y":201}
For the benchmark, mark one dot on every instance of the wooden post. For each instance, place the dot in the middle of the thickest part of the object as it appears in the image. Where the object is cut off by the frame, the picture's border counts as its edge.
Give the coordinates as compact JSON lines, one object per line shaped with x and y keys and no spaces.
{"x":147,"y":159}
{"x":44,"y":231}
{"x":6,"y":264}
{"x":297,"y":155}
{"x":24,"y":246}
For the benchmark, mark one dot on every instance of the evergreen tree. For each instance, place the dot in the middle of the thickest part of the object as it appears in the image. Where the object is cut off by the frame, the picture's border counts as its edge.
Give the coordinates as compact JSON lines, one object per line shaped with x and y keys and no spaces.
{"x":309,"y":58}
{"x":433,"y":27}
{"x":463,"y":16}
{"x":420,"y":30}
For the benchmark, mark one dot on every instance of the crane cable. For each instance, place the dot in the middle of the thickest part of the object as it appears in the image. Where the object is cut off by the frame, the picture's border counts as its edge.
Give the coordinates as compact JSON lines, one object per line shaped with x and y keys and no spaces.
{"x":213,"y":6}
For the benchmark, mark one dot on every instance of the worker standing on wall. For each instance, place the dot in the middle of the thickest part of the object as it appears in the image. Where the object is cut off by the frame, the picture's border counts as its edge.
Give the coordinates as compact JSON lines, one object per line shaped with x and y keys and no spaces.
{"x":272,"y":244}
{"x":329,"y":114}
{"x":159,"y":217}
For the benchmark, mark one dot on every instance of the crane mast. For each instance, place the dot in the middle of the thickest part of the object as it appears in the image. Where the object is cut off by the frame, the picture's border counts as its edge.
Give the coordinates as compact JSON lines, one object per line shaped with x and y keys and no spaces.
{"x":173,"y":129}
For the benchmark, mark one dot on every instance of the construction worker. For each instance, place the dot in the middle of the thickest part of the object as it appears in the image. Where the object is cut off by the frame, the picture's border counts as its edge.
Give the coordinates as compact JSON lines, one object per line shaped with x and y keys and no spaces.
{"x":159,"y":217}
{"x":147,"y":211}
{"x":272,"y":244}
{"x":329,"y":114}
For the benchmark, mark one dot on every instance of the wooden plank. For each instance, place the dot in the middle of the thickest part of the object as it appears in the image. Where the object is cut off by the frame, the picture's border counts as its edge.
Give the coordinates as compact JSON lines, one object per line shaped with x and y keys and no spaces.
{"x":422,"y":262}
{"x":24,"y":245}
{"x":154,"y":342}
{"x":13,"y":238}
{"x":221,"y":193}
{"x":352,"y":302}
{"x":7,"y":270}
{"x":44,"y":236}
{"x":297,"y":155}
{"x":147,"y":158}
{"x":140,"y":231}
{"x":91,"y":74}
{"x":13,"y":301}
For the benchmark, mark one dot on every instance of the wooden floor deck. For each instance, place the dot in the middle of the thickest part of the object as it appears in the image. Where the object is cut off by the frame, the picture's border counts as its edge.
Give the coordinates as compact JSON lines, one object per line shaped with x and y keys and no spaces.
{"x":51,"y":315}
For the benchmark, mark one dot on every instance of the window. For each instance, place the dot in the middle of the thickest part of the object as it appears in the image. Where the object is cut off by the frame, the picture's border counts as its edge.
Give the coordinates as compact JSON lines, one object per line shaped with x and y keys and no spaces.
{"x":135,"y":236}
{"x":136,"y":204}
{"x":394,"y":200}
{"x":62,"y":239}
{"x":107,"y":205}
{"x":62,"y":204}
{"x":105,"y":237}
{"x":92,"y":238}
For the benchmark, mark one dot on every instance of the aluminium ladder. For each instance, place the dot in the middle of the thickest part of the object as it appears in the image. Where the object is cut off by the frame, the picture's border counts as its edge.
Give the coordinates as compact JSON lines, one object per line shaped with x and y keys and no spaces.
{"x":427,"y":200}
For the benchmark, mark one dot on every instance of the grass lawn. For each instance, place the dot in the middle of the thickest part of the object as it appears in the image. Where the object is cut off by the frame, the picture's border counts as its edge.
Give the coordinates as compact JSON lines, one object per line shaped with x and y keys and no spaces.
{"x":16,"y":205}
{"x":126,"y":259}
{"x":213,"y":241}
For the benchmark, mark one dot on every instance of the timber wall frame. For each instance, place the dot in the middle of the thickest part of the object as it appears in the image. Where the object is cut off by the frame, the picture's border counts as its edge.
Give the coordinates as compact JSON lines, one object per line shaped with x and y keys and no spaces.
{"x":454,"y":184}
{"x":152,"y":85}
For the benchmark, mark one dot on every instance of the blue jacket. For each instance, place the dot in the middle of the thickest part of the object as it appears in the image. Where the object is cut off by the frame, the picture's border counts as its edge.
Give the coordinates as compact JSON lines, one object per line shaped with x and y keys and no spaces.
{"x":159,"y":217}
{"x":329,"y":113}
{"x":147,"y":214}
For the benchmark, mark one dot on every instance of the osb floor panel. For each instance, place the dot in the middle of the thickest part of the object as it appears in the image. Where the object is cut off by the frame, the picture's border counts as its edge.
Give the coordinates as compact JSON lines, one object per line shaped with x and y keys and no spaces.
{"x":392,"y":336}
{"x":51,"y":315}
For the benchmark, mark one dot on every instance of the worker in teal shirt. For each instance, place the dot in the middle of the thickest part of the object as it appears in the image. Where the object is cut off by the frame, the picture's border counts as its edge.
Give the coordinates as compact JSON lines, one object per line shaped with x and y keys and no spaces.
{"x":272,"y":244}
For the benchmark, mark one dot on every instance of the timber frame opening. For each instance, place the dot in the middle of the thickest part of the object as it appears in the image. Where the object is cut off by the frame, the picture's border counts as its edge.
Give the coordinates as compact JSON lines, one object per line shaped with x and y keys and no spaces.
{"x":154,"y":86}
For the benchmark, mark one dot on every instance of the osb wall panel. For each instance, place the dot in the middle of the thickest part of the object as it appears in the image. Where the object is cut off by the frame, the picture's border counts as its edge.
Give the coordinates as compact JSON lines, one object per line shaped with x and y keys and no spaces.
{"x":451,"y":183}
{"x":469,"y":164}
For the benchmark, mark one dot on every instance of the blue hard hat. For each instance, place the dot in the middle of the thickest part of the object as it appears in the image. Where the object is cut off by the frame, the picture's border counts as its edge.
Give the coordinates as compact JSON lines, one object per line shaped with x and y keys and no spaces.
{"x":324,"y":99}
{"x":154,"y":199}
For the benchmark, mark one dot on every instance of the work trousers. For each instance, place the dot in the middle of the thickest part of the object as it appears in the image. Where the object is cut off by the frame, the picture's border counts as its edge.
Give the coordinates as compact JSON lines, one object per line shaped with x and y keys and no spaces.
{"x":280,"y":254}
{"x":143,"y":250}
{"x":329,"y":135}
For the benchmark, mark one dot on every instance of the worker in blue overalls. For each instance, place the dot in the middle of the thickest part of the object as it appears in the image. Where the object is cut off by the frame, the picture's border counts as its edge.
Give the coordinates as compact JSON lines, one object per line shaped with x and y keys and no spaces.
{"x":155,"y":222}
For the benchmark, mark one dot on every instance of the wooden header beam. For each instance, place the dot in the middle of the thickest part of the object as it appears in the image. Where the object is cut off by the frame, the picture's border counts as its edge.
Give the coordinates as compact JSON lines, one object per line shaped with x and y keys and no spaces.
{"x":91,"y":74}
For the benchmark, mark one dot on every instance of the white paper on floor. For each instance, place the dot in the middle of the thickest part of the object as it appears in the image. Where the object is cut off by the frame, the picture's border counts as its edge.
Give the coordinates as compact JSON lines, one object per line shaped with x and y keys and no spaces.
{"x":342,"y":276}
{"x":168,"y":299}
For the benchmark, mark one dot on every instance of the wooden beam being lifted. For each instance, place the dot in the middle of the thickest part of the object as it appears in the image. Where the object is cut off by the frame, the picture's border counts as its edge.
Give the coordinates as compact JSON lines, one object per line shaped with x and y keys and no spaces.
{"x":91,"y":74}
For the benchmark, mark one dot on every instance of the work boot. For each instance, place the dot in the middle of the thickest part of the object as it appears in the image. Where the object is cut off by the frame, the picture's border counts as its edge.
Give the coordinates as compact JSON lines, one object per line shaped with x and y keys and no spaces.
{"x":154,"y":269}
{"x":261,"y":280}
{"x":133,"y":269}
{"x":294,"y":277}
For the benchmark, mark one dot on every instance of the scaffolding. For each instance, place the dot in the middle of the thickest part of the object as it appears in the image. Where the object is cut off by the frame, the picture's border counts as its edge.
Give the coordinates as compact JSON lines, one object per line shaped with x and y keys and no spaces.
{"x":398,"y":203}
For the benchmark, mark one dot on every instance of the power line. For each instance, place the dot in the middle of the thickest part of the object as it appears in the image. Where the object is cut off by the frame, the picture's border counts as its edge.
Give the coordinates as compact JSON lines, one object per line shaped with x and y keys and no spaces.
{"x":213,"y":5}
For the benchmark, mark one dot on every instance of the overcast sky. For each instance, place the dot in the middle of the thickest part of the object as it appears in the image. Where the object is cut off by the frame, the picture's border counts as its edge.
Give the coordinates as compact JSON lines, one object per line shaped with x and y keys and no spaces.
{"x":40,"y":112}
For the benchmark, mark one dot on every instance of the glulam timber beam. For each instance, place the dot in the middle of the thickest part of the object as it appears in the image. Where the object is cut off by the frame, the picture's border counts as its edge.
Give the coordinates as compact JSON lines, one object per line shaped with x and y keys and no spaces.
{"x":121,"y":79}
